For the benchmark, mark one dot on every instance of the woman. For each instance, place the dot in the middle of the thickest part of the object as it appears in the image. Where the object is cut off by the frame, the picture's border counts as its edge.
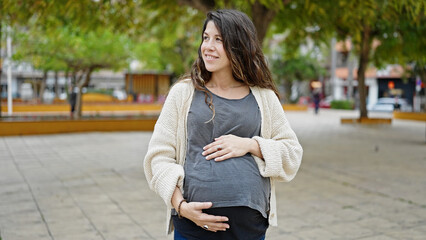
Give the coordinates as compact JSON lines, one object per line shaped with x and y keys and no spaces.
{"x":222,"y":139}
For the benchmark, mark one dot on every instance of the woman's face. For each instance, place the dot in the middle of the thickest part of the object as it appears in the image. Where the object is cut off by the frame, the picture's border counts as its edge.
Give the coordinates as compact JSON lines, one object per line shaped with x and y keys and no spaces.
{"x":213,"y":51}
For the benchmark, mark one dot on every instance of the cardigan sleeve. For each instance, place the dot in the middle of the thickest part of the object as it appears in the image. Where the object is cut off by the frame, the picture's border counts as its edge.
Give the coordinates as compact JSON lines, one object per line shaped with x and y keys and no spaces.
{"x":162,"y":171}
{"x":281,"y":150}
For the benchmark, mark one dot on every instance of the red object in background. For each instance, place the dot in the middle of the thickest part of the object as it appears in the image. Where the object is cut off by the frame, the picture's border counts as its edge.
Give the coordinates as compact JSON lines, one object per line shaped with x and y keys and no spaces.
{"x":391,"y":85}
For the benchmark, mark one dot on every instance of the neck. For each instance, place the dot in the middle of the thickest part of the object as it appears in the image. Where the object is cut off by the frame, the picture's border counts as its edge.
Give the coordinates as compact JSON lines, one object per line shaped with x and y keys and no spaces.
{"x":223,"y":81}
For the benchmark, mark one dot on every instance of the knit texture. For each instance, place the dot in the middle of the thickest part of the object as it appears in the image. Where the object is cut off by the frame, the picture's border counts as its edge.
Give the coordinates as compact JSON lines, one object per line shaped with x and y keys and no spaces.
{"x":163,"y":164}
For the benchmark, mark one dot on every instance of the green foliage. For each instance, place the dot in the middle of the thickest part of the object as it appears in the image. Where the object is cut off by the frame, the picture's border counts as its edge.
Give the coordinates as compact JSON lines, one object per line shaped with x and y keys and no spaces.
{"x":87,"y":14}
{"x":172,"y":34}
{"x":381,"y":31}
{"x":71,"y":48}
{"x":165,"y":33}
{"x":101,"y":91}
{"x":300,"y":68}
{"x":342,"y":104}
{"x":36,"y":49}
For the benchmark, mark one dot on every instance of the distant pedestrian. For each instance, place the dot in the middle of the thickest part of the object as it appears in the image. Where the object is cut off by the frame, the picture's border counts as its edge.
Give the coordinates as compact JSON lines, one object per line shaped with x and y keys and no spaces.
{"x":317,"y":99}
{"x":396,"y":105}
{"x":222,"y":139}
{"x":73,"y":100}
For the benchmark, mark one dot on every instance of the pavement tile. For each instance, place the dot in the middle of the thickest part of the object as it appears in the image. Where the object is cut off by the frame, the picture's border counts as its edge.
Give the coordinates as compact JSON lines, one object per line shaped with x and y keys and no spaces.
{"x":20,"y":207}
{"x":278,"y":234}
{"x":15,"y":196}
{"x":316,"y":234}
{"x":28,"y":218}
{"x":378,"y":237}
{"x":355,"y":182}
{"x":349,"y":229}
{"x":55,"y":201}
{"x":292,"y":224}
{"x":407,"y":234}
{"x":126,"y":232}
{"x":70,"y":227}
{"x":377,"y":224}
{"x":89,"y":235}
{"x":66,"y":214}
{"x":320,"y":218}
{"x":25,"y":231}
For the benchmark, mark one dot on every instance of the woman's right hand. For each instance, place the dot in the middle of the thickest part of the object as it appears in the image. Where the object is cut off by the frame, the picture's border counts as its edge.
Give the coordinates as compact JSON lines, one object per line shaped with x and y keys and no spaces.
{"x":193,"y":211}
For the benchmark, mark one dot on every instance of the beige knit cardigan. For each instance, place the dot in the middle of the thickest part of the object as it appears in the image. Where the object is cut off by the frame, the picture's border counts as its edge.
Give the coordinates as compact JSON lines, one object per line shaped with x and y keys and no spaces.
{"x":163,"y":164}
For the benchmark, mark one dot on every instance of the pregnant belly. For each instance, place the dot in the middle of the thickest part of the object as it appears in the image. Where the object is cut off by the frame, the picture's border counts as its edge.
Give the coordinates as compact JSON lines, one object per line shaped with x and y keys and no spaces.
{"x":226,"y":181}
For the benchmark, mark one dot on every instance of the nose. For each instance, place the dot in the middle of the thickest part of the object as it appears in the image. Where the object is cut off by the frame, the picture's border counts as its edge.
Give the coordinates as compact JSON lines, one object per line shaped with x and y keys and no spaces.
{"x":210,"y":45}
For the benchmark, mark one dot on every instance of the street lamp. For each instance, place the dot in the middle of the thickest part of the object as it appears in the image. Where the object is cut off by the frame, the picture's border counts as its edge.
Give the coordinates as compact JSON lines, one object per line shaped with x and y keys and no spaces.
{"x":9,"y":71}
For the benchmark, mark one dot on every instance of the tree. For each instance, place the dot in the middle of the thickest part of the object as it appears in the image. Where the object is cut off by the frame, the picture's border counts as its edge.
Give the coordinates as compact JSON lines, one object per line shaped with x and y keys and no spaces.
{"x":391,"y":22}
{"x":48,"y":14}
{"x":89,"y":51}
{"x":32,"y":47}
{"x":296,"y":68}
{"x":171,"y":37}
{"x":262,"y":12}
{"x":81,"y":52}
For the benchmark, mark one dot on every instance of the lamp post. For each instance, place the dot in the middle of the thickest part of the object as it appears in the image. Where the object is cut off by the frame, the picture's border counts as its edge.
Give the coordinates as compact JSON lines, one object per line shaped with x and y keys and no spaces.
{"x":9,"y":72}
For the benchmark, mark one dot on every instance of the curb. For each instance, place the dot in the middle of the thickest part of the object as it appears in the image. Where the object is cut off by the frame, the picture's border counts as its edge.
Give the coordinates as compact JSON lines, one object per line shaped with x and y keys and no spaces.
{"x":366,"y":120}
{"x":67,"y":126}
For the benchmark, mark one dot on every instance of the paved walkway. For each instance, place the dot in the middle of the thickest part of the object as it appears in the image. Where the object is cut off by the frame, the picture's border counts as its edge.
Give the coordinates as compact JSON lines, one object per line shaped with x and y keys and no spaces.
{"x":356,"y":182}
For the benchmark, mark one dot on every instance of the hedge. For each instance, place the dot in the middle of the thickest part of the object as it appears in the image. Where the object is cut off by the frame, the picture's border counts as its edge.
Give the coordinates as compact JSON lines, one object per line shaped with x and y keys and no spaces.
{"x":342,"y":104}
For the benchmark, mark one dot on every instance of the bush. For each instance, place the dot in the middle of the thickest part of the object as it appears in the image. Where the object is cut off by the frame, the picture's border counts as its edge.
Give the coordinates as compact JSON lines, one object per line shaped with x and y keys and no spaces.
{"x":342,"y":104}
{"x":101,"y":91}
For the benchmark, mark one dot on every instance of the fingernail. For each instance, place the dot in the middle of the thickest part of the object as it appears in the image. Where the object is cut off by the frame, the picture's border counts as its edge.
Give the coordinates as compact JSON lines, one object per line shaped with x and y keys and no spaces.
{"x":203,"y":153}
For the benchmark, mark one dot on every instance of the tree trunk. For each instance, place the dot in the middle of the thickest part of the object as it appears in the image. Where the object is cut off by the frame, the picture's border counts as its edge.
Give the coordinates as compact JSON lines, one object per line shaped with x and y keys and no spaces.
{"x":287,"y":90}
{"x":75,"y":99}
{"x":42,"y":86}
{"x":77,"y":112}
{"x":362,"y":67}
{"x":81,"y":84}
{"x":56,"y":85}
{"x":262,"y":18}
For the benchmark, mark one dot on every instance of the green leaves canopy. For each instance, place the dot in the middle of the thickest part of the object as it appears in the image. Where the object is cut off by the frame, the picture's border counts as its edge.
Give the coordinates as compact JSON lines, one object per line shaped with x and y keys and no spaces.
{"x":74,"y":49}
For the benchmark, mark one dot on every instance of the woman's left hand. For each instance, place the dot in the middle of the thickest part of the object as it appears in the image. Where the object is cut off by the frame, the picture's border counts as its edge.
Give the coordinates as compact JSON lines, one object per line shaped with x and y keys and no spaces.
{"x":228,"y":146}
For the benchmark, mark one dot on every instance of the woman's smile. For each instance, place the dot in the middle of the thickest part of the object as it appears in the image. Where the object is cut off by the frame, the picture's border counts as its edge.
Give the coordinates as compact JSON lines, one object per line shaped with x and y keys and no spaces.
{"x":210,"y":57}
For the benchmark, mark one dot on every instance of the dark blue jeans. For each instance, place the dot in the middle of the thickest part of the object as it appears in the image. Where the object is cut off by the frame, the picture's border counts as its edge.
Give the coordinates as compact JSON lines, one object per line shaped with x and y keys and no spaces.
{"x":180,"y":237}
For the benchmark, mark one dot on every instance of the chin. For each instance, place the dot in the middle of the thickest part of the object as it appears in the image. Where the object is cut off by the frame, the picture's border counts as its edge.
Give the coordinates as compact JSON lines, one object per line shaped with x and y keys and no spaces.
{"x":210,"y":69}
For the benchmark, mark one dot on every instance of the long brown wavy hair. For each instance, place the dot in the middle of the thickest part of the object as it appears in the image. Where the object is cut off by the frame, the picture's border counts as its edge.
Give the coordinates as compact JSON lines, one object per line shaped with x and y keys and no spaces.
{"x":242,"y":49}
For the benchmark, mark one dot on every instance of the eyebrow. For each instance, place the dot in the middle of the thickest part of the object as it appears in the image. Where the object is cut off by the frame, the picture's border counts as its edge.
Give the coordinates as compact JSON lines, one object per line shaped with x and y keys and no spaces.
{"x":217,"y":35}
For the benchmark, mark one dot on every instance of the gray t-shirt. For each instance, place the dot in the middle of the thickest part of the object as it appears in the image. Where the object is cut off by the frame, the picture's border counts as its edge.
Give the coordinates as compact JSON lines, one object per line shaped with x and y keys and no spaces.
{"x":235,"y":181}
